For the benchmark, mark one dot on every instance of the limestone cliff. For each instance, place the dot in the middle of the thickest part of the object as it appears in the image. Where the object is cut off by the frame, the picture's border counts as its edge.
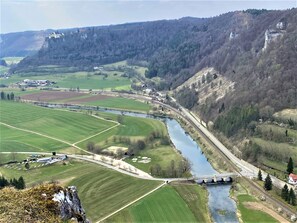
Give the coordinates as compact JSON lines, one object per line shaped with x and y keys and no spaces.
{"x":69,"y":204}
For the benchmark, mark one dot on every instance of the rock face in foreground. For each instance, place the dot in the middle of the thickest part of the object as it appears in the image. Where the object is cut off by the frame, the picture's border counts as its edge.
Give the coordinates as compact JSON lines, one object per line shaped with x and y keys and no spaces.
{"x":70,"y":206}
{"x":43,"y":203}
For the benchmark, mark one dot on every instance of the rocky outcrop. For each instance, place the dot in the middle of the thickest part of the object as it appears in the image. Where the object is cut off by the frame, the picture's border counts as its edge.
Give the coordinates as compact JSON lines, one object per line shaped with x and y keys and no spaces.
{"x":70,"y":205}
{"x":273,"y":34}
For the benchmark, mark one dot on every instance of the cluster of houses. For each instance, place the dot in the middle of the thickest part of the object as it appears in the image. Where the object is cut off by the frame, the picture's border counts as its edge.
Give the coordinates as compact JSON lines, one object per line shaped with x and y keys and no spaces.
{"x":154,"y":94}
{"x":35,"y":83}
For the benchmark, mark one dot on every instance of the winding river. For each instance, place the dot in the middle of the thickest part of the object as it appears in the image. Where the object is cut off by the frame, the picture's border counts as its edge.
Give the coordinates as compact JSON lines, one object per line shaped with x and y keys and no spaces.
{"x":221,"y":206}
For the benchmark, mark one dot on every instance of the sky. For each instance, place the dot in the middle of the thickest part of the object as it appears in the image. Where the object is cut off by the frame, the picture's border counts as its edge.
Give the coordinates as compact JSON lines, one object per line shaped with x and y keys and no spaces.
{"x":23,"y":15}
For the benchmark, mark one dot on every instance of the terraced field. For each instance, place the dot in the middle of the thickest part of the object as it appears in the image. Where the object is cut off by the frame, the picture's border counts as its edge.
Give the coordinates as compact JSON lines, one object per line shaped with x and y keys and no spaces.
{"x":68,"y":126}
{"x":102,"y":191}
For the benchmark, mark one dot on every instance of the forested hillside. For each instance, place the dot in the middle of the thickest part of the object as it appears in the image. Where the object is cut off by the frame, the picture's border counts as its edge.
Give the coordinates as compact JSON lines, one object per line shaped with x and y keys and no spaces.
{"x":264,"y":71}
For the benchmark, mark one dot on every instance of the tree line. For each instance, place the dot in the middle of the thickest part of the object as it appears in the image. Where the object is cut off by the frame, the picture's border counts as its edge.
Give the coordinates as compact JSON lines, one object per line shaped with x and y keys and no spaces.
{"x":16,"y":183}
{"x":174,"y":169}
{"x":286,"y":194}
{"x":7,"y":96}
{"x":236,"y":119}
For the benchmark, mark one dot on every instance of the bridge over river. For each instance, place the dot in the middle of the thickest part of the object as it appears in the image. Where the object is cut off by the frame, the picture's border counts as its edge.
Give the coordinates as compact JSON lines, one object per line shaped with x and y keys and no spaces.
{"x":216,"y":178}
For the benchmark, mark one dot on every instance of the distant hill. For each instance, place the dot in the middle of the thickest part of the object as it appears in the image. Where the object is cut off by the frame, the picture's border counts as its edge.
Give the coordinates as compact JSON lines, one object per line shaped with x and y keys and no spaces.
{"x":21,"y":44}
{"x":254,"y":49}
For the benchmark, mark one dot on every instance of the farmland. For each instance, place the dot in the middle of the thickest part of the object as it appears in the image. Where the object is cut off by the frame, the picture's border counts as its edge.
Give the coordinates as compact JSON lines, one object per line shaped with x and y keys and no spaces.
{"x":101,"y":190}
{"x":12,"y":140}
{"x":68,"y":126}
{"x":168,"y":204}
{"x":88,"y":99}
{"x":82,"y":79}
{"x":121,"y":103}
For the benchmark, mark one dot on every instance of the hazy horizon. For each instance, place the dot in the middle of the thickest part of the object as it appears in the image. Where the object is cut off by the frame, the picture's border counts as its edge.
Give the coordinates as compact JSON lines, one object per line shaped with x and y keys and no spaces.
{"x":29,"y":15}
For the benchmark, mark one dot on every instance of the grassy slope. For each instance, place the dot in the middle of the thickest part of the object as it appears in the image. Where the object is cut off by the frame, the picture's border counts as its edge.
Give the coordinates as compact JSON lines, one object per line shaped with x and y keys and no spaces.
{"x":101,"y":190}
{"x":287,"y":114}
{"x":69,"y":126}
{"x":249,"y":215}
{"x":164,"y":205}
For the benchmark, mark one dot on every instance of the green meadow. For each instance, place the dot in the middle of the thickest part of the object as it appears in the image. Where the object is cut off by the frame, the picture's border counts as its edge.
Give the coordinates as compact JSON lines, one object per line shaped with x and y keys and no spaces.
{"x":132,"y":127}
{"x":161,"y":155}
{"x":68,"y":126}
{"x":12,"y":140}
{"x":168,"y":204}
{"x":121,"y":103}
{"x":82,"y":79}
{"x":101,"y":190}
{"x":249,"y":215}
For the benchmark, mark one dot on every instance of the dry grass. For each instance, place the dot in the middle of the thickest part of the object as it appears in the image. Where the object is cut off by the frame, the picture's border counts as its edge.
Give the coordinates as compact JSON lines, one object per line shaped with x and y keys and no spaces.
{"x":29,"y":205}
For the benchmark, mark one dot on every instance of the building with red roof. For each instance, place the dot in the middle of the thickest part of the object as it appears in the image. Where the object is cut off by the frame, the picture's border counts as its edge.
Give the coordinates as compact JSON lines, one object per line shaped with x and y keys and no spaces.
{"x":292,"y":179}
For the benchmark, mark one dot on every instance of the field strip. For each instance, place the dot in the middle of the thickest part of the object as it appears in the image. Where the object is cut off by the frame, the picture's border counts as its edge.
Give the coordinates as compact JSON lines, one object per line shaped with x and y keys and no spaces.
{"x":127,"y":205}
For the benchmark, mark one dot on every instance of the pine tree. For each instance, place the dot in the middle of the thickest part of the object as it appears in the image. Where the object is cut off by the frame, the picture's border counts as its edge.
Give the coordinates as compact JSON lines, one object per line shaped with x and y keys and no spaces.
{"x":285,"y":192}
{"x":268,"y":183}
{"x":12,"y":96}
{"x":2,"y":95}
{"x":3,"y":182}
{"x":260,"y":175}
{"x":290,"y":166}
{"x":21,"y":183}
{"x":292,"y":197}
{"x":14,"y":182}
